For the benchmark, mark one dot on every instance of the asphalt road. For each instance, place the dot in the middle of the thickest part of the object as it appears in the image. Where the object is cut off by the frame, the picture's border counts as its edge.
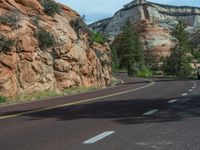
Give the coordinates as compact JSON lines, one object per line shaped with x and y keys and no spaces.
{"x":155,"y":114}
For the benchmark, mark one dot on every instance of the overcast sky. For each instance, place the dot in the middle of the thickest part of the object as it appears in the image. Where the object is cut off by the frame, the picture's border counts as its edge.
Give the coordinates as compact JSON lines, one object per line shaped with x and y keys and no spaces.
{"x":100,"y":9}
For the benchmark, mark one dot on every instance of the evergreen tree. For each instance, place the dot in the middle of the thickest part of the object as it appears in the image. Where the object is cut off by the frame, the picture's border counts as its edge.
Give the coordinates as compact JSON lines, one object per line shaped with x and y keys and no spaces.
{"x":115,"y":60}
{"x":129,"y":49}
{"x":178,"y":63}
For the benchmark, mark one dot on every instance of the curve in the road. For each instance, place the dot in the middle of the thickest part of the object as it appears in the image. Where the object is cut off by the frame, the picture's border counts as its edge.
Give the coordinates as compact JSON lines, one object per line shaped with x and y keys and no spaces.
{"x":78,"y":102}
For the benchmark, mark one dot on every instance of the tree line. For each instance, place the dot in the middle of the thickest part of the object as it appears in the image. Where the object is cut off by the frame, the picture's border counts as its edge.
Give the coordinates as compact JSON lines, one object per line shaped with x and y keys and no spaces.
{"x":128,"y":53}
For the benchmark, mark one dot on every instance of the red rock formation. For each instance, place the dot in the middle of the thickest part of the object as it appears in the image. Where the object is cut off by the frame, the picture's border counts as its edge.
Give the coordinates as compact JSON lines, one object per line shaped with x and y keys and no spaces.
{"x":71,"y":62}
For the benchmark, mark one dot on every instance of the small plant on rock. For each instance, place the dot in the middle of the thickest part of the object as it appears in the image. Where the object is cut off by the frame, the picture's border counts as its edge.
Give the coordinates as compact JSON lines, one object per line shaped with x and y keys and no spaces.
{"x":36,"y":20}
{"x":45,"y":39}
{"x":50,"y":7}
{"x":99,"y":38}
{"x":6,"y":43}
{"x":79,"y":26}
{"x":12,"y":18}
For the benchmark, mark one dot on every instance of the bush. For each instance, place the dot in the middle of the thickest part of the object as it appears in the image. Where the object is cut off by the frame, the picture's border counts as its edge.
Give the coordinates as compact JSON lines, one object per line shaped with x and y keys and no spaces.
{"x":2,"y":99}
{"x":36,"y":20}
{"x":12,"y":18}
{"x":6,"y":44}
{"x":45,"y":39}
{"x":50,"y":7}
{"x":186,"y":70}
{"x":79,"y":26}
{"x":99,"y":38}
{"x":144,"y":73}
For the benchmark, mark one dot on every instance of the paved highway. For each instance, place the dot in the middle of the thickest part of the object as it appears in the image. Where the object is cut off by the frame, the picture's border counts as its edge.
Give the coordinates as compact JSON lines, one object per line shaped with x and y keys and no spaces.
{"x":154,"y":114}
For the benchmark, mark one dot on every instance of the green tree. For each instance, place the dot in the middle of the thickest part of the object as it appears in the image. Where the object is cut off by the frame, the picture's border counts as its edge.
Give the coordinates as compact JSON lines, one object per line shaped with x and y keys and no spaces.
{"x":115,"y":60}
{"x":98,"y":37}
{"x":130,"y":50}
{"x":178,"y":63}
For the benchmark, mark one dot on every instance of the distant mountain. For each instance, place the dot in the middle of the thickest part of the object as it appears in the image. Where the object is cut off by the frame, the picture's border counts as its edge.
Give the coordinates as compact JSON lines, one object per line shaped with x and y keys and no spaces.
{"x":154,"y":22}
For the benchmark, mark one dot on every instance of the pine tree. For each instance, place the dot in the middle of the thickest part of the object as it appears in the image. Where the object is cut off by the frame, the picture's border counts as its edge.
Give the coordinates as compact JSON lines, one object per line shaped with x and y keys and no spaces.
{"x":178,"y":62}
{"x":130,"y":50}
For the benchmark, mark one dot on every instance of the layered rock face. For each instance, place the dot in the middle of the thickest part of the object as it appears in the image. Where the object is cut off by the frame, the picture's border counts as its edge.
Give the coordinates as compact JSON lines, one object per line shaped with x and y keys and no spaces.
{"x":156,"y":20}
{"x":72,"y":61}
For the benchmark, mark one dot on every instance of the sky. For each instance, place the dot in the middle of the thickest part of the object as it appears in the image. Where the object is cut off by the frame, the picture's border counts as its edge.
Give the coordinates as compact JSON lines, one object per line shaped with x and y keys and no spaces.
{"x":100,"y":9}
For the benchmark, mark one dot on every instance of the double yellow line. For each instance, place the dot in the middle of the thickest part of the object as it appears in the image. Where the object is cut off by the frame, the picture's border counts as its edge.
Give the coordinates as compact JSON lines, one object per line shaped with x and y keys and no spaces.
{"x":77,"y":102}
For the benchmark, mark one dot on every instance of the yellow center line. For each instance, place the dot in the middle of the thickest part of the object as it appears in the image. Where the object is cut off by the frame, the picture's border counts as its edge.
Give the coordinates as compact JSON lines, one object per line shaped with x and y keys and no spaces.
{"x":77,"y":102}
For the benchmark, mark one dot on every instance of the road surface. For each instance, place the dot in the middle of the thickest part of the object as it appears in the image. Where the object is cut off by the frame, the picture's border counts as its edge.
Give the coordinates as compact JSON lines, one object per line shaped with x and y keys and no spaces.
{"x":154,"y":114}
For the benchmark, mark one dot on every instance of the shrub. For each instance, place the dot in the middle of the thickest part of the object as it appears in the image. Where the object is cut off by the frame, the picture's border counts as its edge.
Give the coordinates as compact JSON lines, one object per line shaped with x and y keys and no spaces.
{"x":144,"y":73}
{"x":45,"y":39}
{"x":2,"y":99}
{"x":79,"y":26}
{"x":99,"y":38}
{"x":6,"y":43}
{"x":50,"y":7}
{"x":36,"y":20}
{"x":186,"y":70}
{"x":12,"y":18}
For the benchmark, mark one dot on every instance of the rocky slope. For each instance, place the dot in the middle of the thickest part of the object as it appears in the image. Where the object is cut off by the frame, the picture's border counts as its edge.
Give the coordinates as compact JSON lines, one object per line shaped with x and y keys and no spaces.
{"x":72,"y":61}
{"x":155,"y":23}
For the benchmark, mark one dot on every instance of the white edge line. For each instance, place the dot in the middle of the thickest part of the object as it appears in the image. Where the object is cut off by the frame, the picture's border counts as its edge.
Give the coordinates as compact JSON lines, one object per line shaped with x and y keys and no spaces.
{"x":172,"y":101}
{"x":150,"y":112}
{"x":122,"y":82}
{"x":98,"y":137}
{"x":194,"y":84}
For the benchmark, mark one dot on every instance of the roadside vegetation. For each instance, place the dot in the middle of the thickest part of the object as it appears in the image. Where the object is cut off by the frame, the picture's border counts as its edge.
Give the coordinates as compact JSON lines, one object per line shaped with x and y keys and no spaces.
{"x":2,"y":99}
{"x":127,"y":51}
{"x":42,"y":95}
{"x":47,"y":94}
{"x":178,"y":63}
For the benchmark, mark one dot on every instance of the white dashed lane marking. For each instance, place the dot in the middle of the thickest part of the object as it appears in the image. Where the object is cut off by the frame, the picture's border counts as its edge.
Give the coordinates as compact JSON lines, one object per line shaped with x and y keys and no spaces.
{"x":190,"y":90}
{"x":98,"y":137}
{"x":150,"y":112}
{"x":172,"y":101}
{"x":184,"y":94}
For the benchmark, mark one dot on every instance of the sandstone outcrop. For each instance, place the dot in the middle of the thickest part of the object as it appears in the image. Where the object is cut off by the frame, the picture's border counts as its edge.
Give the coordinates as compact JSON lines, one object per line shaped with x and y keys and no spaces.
{"x":155,"y":20}
{"x":72,"y":61}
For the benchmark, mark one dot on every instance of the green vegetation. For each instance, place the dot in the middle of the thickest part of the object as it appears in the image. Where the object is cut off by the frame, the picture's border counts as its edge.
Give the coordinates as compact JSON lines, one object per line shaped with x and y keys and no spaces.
{"x":6,"y":44}
{"x":115,"y":59}
{"x":178,"y":63}
{"x":145,"y":72}
{"x":2,"y":99}
{"x":99,"y":38}
{"x":41,"y":95}
{"x":129,"y":50}
{"x":151,"y":61}
{"x":45,"y":39}
{"x":114,"y":81}
{"x":50,"y":7}
{"x":11,"y":19}
{"x":36,"y":20}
